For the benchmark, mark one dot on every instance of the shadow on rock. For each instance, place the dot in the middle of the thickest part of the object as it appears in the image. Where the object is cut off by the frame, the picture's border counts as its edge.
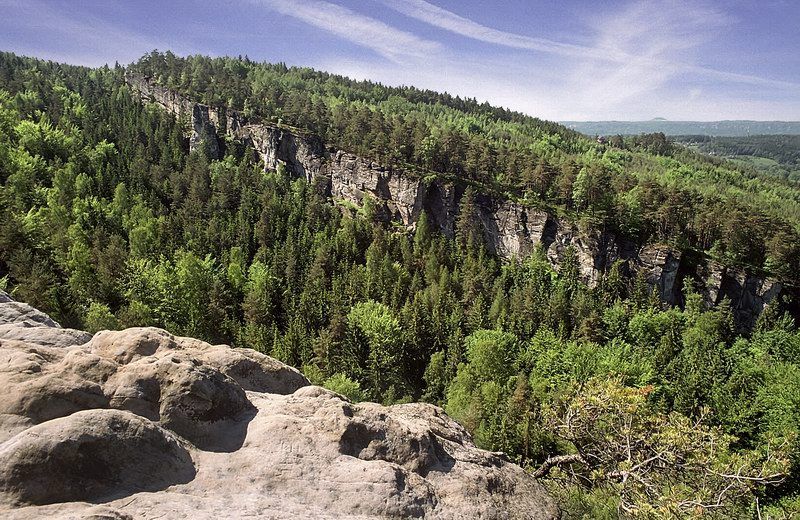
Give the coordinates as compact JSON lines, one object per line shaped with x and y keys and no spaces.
{"x":94,"y":455}
{"x":390,"y":441}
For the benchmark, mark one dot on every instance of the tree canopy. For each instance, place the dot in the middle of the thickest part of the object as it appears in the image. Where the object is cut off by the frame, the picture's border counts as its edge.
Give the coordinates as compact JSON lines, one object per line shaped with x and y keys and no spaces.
{"x":622,"y":405}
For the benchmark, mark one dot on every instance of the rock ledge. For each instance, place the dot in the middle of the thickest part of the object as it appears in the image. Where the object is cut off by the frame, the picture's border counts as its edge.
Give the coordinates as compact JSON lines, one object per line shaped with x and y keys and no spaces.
{"x":142,"y":424}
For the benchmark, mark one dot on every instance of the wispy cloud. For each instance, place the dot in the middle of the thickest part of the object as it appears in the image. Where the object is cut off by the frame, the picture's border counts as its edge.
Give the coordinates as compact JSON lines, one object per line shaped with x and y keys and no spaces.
{"x":382,"y":38}
{"x":635,"y":59}
{"x":647,"y":34}
{"x":734,"y":77}
{"x":643,"y":59}
{"x":660,"y":39}
{"x":449,"y":21}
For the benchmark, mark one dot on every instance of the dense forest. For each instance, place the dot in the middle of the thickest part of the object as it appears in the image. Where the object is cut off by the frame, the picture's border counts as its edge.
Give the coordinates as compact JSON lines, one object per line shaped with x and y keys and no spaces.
{"x":624,"y":407}
{"x":643,"y":187}
{"x":777,"y":155}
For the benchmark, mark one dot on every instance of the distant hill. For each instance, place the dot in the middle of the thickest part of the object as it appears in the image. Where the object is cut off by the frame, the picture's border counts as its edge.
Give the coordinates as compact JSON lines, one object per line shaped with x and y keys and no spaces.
{"x":711,"y":128}
{"x":769,"y":154}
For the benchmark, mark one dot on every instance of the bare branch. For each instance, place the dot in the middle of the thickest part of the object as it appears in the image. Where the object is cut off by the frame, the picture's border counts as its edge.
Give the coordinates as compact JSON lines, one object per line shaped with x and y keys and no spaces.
{"x":559,"y":460}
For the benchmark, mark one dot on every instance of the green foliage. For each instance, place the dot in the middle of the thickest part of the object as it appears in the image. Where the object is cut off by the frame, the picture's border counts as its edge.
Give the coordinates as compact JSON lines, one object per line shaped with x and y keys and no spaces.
{"x":643,"y":186}
{"x":436,"y":378}
{"x":491,"y":353}
{"x":777,"y":155}
{"x":660,"y":465}
{"x":579,"y":503}
{"x":108,"y":221}
{"x":99,"y":317}
{"x":341,"y":384}
{"x":374,"y":326}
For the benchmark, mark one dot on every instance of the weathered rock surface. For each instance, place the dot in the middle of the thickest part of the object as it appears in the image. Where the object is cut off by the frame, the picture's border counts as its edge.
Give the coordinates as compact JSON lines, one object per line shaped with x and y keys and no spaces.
{"x":90,"y":455}
{"x":23,"y":314}
{"x":142,"y":424}
{"x":511,"y":230}
{"x":43,"y":336}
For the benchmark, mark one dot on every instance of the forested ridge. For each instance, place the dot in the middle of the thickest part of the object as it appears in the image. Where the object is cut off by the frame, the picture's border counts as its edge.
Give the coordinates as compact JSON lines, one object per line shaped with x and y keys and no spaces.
{"x":623,"y":406}
{"x":723,"y":129}
{"x":772,"y":154}
{"x":644,"y":187}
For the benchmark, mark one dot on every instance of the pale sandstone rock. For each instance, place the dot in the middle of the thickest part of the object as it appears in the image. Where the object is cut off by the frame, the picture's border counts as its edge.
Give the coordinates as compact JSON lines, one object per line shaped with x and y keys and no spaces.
{"x":43,"y":336}
{"x":90,"y":455}
{"x":23,"y":314}
{"x":142,"y":424}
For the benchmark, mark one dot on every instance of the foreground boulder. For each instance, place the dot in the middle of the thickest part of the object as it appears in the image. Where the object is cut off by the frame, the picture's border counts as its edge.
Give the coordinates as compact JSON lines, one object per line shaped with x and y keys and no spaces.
{"x":90,"y":455}
{"x":142,"y":424}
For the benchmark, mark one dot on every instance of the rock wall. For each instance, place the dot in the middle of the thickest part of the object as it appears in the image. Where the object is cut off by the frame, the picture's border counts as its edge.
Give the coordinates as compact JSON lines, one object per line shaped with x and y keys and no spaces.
{"x":143,"y":424}
{"x":511,"y":230}
{"x":748,"y":294}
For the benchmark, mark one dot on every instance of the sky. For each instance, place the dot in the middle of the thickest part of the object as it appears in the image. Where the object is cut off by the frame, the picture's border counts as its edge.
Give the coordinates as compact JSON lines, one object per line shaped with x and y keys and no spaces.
{"x":555,"y":59}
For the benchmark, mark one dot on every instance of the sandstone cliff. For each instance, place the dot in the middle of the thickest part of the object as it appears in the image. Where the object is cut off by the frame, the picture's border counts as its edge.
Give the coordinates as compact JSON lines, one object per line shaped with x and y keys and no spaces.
{"x":511,"y":229}
{"x":143,"y":424}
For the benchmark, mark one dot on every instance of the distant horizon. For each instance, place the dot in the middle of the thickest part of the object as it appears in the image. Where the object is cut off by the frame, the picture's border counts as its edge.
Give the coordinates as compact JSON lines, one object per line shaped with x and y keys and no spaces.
{"x":699,"y":60}
{"x":657,"y":120}
{"x":674,"y":128}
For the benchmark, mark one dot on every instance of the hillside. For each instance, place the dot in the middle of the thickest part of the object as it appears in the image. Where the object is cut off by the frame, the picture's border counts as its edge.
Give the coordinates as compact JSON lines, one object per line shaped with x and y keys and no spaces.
{"x":631,"y":188}
{"x":777,"y":155}
{"x":675,"y":128}
{"x":609,"y":315}
{"x":506,"y":226}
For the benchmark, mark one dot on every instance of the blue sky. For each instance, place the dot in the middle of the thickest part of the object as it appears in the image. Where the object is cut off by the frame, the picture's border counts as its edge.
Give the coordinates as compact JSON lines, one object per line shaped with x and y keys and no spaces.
{"x":561,"y":60}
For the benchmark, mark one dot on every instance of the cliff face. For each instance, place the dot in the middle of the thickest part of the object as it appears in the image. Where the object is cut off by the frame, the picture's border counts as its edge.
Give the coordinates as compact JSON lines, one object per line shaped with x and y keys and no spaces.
{"x":748,"y":294}
{"x":511,"y":230}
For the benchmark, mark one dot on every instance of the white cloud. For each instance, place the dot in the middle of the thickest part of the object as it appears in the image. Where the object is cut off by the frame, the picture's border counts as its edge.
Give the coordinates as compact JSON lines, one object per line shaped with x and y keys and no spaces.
{"x":645,"y":35}
{"x":644,"y":59}
{"x":664,"y":40}
{"x":635,"y":57}
{"x":639,"y":55}
{"x":362,"y":30}
{"x":449,"y":21}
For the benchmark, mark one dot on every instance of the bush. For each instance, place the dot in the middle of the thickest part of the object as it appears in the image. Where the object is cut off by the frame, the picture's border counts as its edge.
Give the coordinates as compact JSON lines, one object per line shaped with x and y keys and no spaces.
{"x":100,"y":317}
{"x":341,"y":384}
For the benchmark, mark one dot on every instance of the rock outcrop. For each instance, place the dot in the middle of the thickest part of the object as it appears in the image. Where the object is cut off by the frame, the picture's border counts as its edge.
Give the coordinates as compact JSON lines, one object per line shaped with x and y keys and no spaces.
{"x":511,"y":230}
{"x":748,"y":294}
{"x":142,"y":424}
